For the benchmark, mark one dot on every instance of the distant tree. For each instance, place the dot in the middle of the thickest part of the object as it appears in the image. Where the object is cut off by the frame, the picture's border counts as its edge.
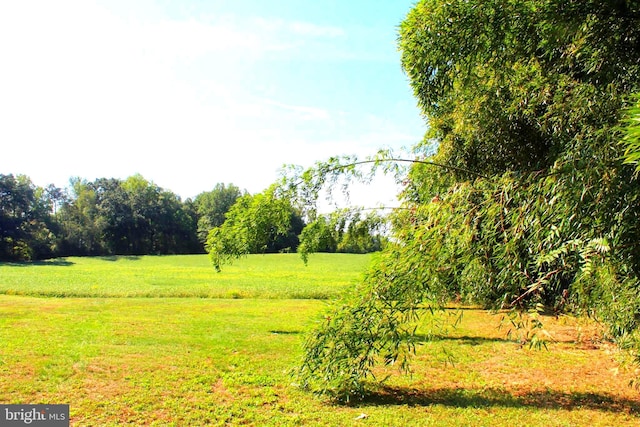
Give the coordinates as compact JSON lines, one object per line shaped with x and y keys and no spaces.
{"x":121,"y":228}
{"x":25,"y":220}
{"x":212,"y":207}
{"x":173,"y":226}
{"x":188,"y":216}
{"x":363,"y":233}
{"x":143,"y":218}
{"x":320,"y":235}
{"x":56,"y":197}
{"x":253,"y":224}
{"x":344,"y":230}
{"x":289,"y":241}
{"x":134,"y":216}
{"x":81,"y":225}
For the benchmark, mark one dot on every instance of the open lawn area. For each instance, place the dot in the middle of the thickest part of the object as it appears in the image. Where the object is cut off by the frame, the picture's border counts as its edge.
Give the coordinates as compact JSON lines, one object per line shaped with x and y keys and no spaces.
{"x":257,"y":276}
{"x":183,"y":358}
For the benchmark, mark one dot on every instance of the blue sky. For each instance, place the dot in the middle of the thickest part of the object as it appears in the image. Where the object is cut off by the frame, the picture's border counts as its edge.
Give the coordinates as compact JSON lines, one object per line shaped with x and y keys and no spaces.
{"x":192,"y":93}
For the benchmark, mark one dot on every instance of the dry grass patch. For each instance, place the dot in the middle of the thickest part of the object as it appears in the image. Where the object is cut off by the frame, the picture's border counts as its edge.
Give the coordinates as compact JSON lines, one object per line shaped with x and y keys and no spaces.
{"x":477,"y":366}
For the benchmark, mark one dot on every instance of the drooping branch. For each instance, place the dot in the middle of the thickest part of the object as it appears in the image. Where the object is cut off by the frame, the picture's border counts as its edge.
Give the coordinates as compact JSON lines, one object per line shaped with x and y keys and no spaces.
{"x":414,"y":161}
{"x":305,"y":185}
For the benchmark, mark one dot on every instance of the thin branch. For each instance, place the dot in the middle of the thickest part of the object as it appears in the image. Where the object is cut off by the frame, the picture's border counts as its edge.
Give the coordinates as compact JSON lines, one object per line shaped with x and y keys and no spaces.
{"x":388,"y":160}
{"x":390,"y":208}
{"x":399,"y":160}
{"x":535,"y":286}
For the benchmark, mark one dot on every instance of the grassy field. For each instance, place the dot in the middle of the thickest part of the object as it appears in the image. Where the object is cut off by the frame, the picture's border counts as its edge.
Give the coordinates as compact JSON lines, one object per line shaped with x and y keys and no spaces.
{"x":258,"y":276}
{"x":193,"y":361}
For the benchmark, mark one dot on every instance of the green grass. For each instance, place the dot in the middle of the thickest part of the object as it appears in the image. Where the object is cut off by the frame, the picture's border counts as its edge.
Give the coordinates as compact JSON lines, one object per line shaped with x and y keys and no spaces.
{"x":256,"y":276}
{"x":193,"y":361}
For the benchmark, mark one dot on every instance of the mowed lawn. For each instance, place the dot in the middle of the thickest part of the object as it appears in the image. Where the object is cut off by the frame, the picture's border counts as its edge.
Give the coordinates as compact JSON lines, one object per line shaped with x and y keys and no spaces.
{"x":190,"y":361}
{"x":256,"y":276}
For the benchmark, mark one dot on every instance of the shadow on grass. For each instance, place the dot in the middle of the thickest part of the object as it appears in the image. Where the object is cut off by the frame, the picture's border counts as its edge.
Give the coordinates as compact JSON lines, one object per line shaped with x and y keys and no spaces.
{"x":466,"y":340}
{"x":56,"y":262}
{"x":455,"y":308}
{"x":282,"y":332}
{"x":119,"y":257}
{"x":496,"y":397}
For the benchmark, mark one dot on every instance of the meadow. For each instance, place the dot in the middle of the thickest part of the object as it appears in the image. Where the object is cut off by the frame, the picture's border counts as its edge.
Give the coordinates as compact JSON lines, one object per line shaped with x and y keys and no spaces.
{"x":167,"y":341}
{"x":278,"y":276}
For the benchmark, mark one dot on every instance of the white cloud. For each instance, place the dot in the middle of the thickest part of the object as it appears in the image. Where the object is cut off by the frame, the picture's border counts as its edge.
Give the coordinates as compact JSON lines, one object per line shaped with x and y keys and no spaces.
{"x":87,"y":91}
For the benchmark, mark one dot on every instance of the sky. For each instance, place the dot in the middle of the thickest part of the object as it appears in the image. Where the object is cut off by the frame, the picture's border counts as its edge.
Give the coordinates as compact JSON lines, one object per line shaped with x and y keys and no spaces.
{"x":192,"y":93}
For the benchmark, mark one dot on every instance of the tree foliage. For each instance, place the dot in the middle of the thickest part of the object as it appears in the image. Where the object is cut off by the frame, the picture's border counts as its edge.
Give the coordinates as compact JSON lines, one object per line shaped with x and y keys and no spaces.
{"x":632,"y":134}
{"x":132,"y":216}
{"x":212,"y":207}
{"x":104,"y":217}
{"x":343,"y":230}
{"x":526,"y":204}
{"x":81,"y":226}
{"x":252,"y":225}
{"x":26,"y":231}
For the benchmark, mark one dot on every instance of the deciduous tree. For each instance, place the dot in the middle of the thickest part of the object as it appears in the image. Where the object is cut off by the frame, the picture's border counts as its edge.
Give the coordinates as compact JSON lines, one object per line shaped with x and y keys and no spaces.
{"x":212,"y":207}
{"x":526,"y":204}
{"x":252,"y":225}
{"x":25,"y":220}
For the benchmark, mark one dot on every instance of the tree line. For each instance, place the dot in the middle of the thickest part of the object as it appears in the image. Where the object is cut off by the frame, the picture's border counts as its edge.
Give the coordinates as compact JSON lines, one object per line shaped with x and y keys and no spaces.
{"x":134,"y":216}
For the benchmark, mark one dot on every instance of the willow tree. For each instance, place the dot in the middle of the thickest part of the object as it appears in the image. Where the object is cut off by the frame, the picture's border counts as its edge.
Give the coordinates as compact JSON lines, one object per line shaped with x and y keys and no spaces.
{"x":254,"y":224}
{"x":526,"y":203}
{"x":632,"y":136}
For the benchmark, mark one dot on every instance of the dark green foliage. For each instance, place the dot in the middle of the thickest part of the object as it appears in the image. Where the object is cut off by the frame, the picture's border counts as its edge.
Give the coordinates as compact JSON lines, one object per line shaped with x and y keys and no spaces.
{"x":134,"y":216}
{"x":526,"y":204}
{"x":632,"y":134}
{"x":81,"y":226}
{"x":212,"y":207}
{"x":107,"y":216}
{"x":289,"y":241}
{"x":25,"y":222}
{"x":514,"y":85}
